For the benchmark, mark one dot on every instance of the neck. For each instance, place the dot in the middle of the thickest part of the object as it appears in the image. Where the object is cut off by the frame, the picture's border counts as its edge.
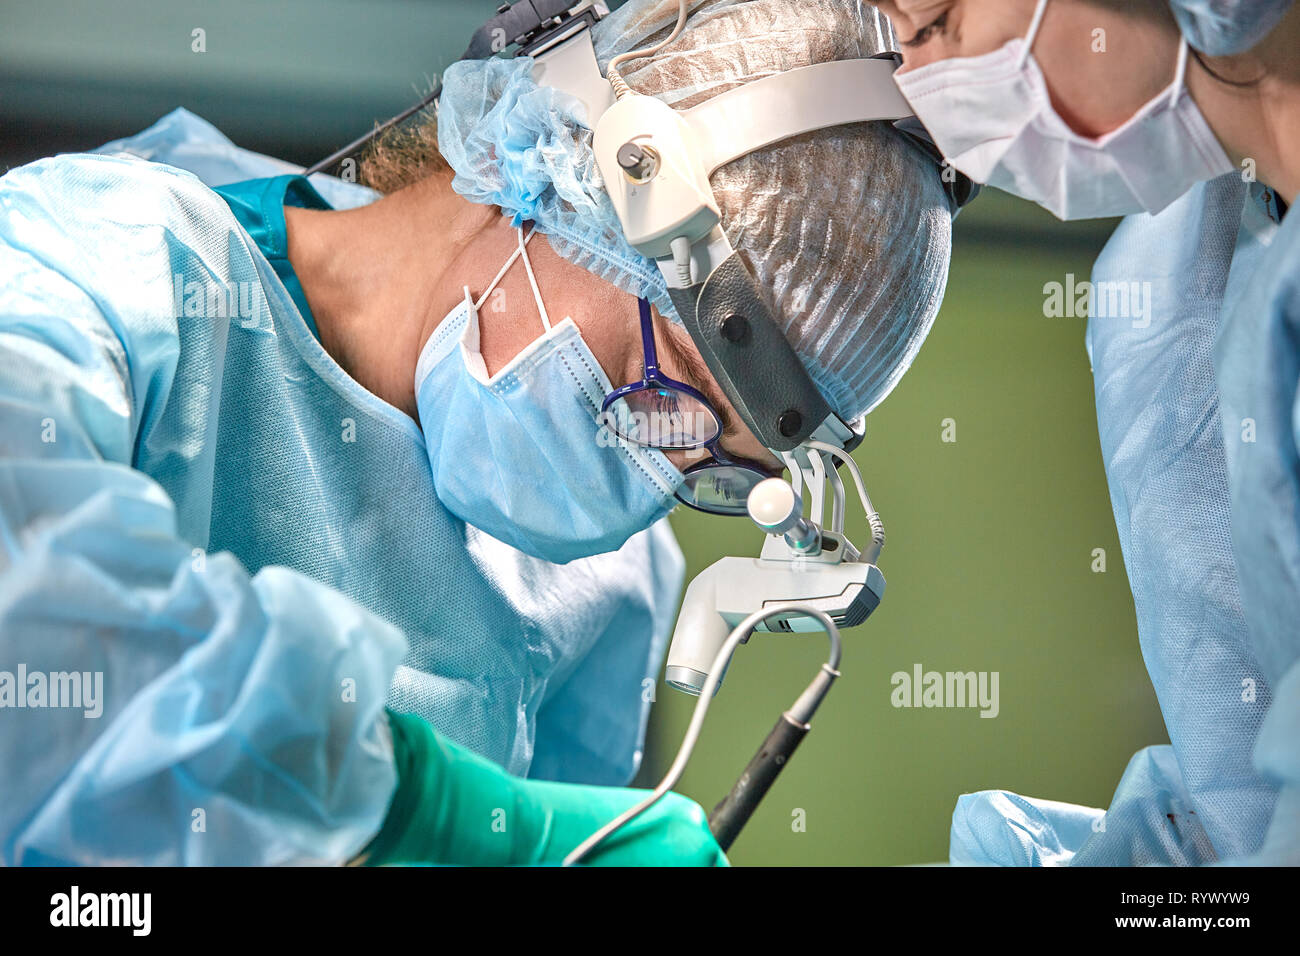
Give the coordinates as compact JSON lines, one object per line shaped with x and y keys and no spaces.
{"x":1257,"y":122}
{"x":380,"y":278}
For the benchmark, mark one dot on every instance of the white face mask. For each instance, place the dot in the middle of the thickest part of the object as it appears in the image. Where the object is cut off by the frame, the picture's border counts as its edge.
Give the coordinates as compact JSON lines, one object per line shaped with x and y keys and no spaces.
{"x":992,"y":117}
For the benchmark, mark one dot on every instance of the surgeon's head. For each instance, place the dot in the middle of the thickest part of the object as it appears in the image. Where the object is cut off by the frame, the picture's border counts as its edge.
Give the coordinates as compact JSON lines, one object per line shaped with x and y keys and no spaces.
{"x":849,"y":228}
{"x":848,"y":231}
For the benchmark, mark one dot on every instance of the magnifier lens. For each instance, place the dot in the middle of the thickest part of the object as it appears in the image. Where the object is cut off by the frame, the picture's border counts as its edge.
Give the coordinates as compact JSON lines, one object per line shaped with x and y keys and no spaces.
{"x":720,"y":489}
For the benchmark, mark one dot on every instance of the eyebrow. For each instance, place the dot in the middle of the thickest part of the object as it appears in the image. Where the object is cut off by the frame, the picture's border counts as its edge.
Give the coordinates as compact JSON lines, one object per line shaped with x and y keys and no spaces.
{"x":927,"y":32}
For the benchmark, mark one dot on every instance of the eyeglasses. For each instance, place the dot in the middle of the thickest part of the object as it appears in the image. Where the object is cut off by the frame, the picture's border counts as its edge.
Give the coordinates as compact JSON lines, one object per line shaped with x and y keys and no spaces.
{"x":662,"y":413}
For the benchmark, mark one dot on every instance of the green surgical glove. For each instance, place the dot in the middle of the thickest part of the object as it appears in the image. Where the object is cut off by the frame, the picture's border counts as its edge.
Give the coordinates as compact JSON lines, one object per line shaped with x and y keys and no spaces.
{"x":454,"y":807}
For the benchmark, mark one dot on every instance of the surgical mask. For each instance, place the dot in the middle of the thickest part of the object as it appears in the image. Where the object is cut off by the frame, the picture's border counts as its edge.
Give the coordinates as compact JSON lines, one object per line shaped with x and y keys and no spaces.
{"x":521,"y":454}
{"x":993,"y":119}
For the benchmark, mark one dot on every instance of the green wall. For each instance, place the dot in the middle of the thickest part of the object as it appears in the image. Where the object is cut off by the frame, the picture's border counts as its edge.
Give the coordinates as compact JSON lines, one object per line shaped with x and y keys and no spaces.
{"x":989,"y":567}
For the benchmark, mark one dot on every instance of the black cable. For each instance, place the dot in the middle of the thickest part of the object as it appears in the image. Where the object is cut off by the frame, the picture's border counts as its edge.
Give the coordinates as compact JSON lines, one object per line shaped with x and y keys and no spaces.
{"x":515,"y":22}
{"x":356,"y":144}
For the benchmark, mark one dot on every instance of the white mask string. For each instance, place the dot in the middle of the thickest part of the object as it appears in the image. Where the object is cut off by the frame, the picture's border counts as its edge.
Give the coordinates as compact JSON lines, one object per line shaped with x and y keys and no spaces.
{"x":537,"y":295}
{"x":532,"y":279}
{"x":1180,"y":77}
{"x":1180,"y":80}
{"x":1032,"y":35}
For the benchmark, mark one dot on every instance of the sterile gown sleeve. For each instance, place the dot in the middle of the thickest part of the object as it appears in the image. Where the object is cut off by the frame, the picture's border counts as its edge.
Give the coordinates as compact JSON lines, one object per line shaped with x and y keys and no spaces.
{"x":224,"y":719}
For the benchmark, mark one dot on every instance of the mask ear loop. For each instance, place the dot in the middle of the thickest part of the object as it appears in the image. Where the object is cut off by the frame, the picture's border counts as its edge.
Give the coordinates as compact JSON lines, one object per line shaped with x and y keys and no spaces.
{"x":521,"y":251}
{"x":1180,"y":78}
{"x":532,"y":279}
{"x":475,"y":306}
{"x":1032,"y":35}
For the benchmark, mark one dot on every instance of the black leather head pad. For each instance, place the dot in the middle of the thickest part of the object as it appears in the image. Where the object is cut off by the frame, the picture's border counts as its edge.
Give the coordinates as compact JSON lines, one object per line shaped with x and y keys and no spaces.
{"x":750,"y":357}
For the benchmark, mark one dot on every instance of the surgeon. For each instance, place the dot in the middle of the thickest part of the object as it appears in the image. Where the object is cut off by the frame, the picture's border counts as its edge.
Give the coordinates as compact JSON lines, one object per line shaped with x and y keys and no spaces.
{"x":313,"y":548}
{"x":1186,"y":115}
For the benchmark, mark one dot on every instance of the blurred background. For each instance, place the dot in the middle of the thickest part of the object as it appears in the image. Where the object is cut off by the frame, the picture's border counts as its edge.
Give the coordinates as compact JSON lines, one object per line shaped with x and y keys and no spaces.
{"x":992,"y":537}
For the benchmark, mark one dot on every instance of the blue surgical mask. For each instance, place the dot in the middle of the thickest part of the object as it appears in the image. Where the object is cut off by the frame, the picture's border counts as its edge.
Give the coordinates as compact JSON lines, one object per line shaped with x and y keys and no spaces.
{"x":521,"y":454}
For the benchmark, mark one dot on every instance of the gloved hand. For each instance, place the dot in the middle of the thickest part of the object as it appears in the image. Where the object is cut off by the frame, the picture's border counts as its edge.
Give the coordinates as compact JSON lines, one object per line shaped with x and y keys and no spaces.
{"x":452,"y":806}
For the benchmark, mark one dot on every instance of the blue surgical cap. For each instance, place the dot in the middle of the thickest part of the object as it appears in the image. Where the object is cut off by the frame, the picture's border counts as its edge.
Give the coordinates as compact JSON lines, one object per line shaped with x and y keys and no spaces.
{"x":1225,"y":27}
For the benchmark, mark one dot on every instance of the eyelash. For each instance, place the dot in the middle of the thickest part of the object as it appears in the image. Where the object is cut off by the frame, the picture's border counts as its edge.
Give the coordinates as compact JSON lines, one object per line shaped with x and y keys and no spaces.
{"x":924,"y":34}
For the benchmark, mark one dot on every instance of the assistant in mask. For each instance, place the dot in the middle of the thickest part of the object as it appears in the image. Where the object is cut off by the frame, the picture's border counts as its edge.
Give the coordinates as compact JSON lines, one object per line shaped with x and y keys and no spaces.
{"x":1205,"y":516}
{"x":994,"y":119}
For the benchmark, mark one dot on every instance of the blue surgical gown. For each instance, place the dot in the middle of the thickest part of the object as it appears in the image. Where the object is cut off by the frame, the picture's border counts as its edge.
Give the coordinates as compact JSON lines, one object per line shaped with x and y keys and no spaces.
{"x":1197,"y":413}
{"x":200,"y":510}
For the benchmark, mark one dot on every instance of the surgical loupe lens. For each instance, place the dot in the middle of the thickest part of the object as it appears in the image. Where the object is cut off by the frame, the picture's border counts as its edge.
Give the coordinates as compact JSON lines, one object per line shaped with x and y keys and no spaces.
{"x":663,"y":418}
{"x":721,"y":489}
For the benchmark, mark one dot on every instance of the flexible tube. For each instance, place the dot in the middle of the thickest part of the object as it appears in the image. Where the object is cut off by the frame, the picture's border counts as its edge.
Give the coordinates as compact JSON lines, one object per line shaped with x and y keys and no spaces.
{"x":621,"y":89}
{"x":734,"y":639}
{"x":873,"y":519}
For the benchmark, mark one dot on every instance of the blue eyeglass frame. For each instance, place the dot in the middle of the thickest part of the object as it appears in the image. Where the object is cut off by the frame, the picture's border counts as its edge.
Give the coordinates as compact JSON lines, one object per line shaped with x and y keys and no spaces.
{"x":653,"y":378}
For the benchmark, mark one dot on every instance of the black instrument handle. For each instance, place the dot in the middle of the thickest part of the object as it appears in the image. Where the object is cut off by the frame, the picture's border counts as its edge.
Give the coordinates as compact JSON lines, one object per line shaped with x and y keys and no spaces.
{"x":733,"y":812}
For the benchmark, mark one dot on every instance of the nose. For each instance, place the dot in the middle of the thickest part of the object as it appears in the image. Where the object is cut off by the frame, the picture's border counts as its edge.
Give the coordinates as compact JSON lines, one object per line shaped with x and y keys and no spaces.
{"x":915,"y":58}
